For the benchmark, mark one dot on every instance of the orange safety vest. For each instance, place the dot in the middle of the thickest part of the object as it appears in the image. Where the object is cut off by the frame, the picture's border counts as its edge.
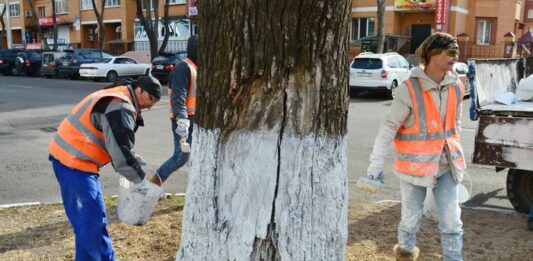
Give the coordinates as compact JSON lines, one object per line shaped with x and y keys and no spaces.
{"x":419,"y":147}
{"x":190,"y":101}
{"x":77,"y":143}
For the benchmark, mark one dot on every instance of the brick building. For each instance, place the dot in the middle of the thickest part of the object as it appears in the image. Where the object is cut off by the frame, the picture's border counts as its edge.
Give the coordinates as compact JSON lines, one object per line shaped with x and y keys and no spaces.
{"x":480,"y":25}
{"x":77,"y":24}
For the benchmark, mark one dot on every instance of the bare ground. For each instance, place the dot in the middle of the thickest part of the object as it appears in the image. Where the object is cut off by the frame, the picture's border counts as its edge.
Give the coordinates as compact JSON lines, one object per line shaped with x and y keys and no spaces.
{"x":43,"y":233}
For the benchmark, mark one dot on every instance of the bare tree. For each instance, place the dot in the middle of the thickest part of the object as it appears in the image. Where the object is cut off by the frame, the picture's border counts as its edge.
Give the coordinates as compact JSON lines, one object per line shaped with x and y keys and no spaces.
{"x":54,"y":24}
{"x":268,"y":178}
{"x":3,"y":33}
{"x":100,"y":21}
{"x":151,"y":26}
{"x":381,"y":26}
{"x":44,"y":42}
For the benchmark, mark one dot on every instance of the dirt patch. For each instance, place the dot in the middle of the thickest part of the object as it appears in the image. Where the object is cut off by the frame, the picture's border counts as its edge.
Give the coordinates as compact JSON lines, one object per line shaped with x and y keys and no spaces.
{"x":43,"y":233}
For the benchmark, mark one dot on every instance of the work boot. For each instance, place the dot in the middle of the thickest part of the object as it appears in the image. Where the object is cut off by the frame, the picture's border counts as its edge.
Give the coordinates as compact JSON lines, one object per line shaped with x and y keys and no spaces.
{"x":404,"y":255}
{"x":156,"y":180}
{"x":530,"y":224}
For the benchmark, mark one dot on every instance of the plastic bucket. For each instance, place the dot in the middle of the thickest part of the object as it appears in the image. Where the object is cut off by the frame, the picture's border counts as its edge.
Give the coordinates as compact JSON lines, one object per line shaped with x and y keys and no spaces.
{"x":462,"y":193}
{"x":134,"y":205}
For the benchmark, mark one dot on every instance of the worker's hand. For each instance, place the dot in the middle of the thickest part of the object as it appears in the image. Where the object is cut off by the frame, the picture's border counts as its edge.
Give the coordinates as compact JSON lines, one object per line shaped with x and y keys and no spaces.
{"x":182,"y":128}
{"x":375,"y":174}
{"x":140,"y":160}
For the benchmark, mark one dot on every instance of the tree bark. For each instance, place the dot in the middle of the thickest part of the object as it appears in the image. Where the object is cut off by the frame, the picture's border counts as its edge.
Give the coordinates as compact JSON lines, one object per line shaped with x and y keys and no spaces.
{"x":54,"y":47}
{"x":268,"y":177}
{"x":100,"y":21}
{"x":3,"y":33}
{"x":44,"y":42}
{"x":381,"y":26}
{"x":167,"y":28}
{"x":149,"y":26}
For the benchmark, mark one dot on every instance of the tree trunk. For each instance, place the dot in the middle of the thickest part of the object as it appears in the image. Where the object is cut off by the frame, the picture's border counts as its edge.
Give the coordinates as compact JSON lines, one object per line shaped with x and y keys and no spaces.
{"x":54,"y":24}
{"x":167,"y":28}
{"x":100,"y":21}
{"x":151,"y":27}
{"x":381,"y":26}
{"x":3,"y":33}
{"x":44,"y":42}
{"x":268,"y":178}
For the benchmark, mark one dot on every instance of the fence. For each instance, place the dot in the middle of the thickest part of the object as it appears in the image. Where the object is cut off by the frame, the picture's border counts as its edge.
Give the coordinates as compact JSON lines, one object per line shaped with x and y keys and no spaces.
{"x":172,"y":45}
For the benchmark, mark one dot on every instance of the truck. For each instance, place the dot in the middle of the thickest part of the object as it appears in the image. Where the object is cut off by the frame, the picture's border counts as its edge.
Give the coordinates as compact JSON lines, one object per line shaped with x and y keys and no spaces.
{"x":504,"y":136}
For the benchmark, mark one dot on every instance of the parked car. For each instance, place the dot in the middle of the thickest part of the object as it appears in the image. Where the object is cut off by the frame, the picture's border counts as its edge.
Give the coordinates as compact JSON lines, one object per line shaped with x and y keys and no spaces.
{"x":113,"y":68}
{"x":28,"y":62}
{"x":163,"y":64}
{"x":7,"y":61}
{"x":461,"y":69}
{"x":69,"y":66}
{"x":378,"y":72}
{"x":50,"y":62}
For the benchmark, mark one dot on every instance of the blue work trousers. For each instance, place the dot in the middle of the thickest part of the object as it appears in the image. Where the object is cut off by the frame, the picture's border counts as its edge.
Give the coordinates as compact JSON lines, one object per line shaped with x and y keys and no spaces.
{"x":85,"y":209}
{"x":178,"y":158}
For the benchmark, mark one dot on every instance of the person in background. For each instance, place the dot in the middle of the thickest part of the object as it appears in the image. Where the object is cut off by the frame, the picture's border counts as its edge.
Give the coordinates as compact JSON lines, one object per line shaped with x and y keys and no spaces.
{"x":424,"y":125}
{"x":182,"y":103}
{"x":100,"y":129}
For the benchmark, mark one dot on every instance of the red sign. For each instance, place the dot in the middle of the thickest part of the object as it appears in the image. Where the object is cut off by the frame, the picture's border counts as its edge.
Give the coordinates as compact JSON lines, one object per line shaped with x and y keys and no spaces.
{"x":440,"y":12}
{"x":33,"y":46}
{"x":48,"y":21}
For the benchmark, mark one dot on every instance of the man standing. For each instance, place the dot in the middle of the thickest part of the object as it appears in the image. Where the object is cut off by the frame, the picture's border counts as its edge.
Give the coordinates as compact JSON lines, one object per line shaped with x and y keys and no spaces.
{"x":100,"y":129}
{"x":424,"y":125}
{"x":182,"y":101}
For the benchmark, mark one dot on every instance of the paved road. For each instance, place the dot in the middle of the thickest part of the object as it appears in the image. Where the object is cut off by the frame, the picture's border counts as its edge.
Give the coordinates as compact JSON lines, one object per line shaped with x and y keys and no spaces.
{"x":31,"y":107}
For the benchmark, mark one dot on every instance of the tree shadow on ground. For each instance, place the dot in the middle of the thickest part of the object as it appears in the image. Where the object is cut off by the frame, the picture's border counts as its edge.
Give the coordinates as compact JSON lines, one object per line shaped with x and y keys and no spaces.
{"x":35,"y":237}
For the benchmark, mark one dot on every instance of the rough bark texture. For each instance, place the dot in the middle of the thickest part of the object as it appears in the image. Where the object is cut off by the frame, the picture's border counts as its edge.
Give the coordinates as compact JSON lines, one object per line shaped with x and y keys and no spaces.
{"x":268,"y":180}
{"x":381,"y":26}
{"x":100,"y":20}
{"x":54,"y":47}
{"x":2,"y":34}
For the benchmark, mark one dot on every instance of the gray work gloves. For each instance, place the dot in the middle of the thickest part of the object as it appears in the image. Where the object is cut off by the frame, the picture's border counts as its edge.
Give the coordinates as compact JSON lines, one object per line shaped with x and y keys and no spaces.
{"x":375,"y":174}
{"x":182,"y":128}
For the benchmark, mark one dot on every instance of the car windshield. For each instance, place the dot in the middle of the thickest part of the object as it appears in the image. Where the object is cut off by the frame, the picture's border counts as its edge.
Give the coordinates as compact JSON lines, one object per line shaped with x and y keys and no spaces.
{"x":103,"y":60}
{"x":367,"y":63}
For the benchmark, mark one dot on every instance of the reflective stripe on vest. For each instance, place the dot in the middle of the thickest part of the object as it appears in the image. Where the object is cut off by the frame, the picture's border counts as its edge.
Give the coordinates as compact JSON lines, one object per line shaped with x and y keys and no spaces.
{"x":77,"y":143}
{"x":190,"y":101}
{"x":420,"y":146}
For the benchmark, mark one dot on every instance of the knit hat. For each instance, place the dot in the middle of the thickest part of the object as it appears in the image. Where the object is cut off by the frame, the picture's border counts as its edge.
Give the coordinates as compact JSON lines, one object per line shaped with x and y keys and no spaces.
{"x":192,"y":48}
{"x":150,"y":85}
{"x":435,"y":44}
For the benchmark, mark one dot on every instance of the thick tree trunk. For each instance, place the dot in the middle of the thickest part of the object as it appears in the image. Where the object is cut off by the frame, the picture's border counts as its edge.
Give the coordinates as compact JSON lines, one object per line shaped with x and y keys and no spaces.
{"x":44,"y":42}
{"x":268,"y":180}
{"x":2,"y":34}
{"x":151,"y":27}
{"x":100,"y":21}
{"x":381,"y":26}
{"x":54,"y":24}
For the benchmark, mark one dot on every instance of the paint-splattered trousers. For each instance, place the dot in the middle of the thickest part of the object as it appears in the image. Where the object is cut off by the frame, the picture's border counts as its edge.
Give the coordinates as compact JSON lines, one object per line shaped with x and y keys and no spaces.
{"x":450,"y":225}
{"x":85,"y":209}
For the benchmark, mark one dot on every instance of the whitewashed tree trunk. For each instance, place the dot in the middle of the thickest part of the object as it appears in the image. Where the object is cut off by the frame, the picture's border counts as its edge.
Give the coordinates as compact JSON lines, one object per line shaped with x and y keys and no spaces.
{"x":268,"y":180}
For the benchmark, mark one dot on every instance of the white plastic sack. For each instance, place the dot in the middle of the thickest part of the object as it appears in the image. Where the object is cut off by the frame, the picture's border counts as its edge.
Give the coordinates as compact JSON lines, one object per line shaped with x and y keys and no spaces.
{"x":134,"y":207}
{"x":430,"y":207}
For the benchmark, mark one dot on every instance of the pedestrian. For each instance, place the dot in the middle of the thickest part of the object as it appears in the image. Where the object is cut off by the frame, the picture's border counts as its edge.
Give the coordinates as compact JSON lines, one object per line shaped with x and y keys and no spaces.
{"x":182,"y":103}
{"x":424,"y":125}
{"x":100,"y":129}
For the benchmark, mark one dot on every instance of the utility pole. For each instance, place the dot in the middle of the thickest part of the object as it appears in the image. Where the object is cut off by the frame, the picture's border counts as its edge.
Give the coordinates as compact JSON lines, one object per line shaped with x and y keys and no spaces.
{"x":8,"y":18}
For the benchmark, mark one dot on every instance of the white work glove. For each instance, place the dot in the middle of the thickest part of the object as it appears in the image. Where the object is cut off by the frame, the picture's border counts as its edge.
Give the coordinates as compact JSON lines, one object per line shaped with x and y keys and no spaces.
{"x":182,"y":128}
{"x":140,"y":160}
{"x":375,"y":174}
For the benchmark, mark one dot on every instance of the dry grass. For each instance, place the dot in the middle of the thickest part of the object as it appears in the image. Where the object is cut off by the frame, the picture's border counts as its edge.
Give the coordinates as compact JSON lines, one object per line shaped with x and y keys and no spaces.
{"x":43,"y":233}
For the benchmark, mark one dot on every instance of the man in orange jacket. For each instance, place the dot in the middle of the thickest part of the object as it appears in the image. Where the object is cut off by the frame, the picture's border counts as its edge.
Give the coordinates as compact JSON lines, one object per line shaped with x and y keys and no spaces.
{"x":424,"y":123}
{"x":100,"y":129}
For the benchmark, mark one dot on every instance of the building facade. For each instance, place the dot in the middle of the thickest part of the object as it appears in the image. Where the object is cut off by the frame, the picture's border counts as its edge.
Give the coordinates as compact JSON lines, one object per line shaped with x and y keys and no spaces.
{"x":77,"y":26}
{"x":481,"y":26}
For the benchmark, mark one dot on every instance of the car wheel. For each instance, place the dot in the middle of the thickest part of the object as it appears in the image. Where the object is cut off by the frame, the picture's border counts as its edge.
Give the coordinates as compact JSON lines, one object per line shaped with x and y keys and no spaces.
{"x":112,"y":76}
{"x":393,"y":88}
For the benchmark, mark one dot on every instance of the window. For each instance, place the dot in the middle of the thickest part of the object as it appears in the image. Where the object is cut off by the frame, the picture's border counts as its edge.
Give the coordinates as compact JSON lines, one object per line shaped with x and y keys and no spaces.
{"x":179,"y":29}
{"x":86,"y":5}
{"x":484,"y":35}
{"x":175,"y":2}
{"x":61,"y":6}
{"x":42,"y":11}
{"x":14,"y":9}
{"x":362,"y":27}
{"x":367,"y":63}
{"x":112,"y":3}
{"x":530,"y":13}
{"x":147,"y":4}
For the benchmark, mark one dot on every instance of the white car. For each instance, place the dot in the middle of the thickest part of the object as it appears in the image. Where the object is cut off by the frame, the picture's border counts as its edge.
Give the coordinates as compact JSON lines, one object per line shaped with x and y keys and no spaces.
{"x":112,"y":68}
{"x":378,"y":72}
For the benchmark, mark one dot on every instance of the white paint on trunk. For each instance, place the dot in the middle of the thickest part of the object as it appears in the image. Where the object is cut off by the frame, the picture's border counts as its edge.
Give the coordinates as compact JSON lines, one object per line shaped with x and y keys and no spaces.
{"x":232,"y":188}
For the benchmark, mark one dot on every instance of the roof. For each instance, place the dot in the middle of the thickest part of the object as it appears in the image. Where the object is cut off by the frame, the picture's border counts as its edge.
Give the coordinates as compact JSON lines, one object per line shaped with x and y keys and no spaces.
{"x":526,"y":38}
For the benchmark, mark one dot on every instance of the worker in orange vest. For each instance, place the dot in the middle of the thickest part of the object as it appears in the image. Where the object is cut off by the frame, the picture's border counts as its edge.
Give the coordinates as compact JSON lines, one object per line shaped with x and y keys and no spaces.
{"x":424,"y":123}
{"x":182,"y":105}
{"x":100,"y":129}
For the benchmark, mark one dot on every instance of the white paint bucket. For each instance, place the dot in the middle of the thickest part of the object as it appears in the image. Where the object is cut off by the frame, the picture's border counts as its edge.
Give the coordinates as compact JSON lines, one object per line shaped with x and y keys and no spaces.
{"x":135,"y":205}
